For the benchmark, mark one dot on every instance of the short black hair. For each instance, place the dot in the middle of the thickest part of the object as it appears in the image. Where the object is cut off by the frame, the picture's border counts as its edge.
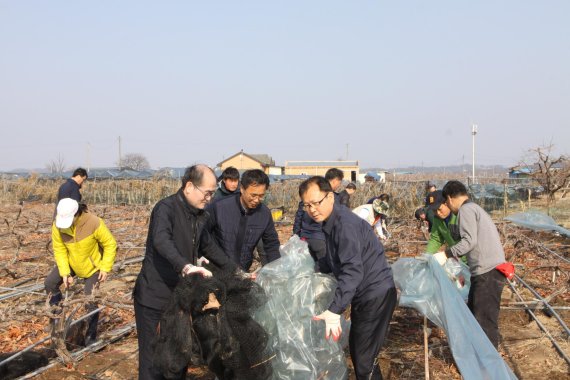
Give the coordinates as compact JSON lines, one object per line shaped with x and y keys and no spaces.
{"x":419,"y":212}
{"x":454,"y":189}
{"x":384,"y":197}
{"x":80,"y":172}
{"x":333,"y":173}
{"x":254,"y":176}
{"x":323,"y":184}
{"x":230,"y":173}
{"x":195,"y":174}
{"x":351,"y":186}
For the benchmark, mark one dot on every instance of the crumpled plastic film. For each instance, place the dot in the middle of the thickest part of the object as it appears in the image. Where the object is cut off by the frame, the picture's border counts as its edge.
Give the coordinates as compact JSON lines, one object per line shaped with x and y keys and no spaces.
{"x":426,"y":287}
{"x":296,"y":293}
{"x":537,"y":221}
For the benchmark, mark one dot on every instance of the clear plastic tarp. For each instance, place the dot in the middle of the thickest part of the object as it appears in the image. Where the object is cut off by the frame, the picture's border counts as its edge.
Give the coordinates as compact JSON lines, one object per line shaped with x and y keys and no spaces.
{"x":537,"y":221}
{"x":426,"y":287}
{"x":296,"y":293}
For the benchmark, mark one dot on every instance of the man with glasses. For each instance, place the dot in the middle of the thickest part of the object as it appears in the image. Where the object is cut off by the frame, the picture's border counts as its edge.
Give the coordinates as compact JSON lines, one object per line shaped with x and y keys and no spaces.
{"x":239,"y":223}
{"x":175,"y":242}
{"x":364,"y":279}
{"x":309,"y":230}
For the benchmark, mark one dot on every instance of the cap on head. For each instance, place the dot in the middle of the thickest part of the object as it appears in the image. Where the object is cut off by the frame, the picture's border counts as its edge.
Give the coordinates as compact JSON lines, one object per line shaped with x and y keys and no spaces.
{"x":66,"y":210}
{"x":435,"y":199}
{"x":380,"y":206}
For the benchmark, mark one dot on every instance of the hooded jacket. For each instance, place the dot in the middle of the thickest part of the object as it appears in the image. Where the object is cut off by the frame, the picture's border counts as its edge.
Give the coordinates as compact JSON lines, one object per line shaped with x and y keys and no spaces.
{"x":86,"y":247}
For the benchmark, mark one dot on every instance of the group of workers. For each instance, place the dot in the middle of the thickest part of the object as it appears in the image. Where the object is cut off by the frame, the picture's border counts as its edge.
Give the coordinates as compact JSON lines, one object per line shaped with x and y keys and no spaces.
{"x":221,"y":224}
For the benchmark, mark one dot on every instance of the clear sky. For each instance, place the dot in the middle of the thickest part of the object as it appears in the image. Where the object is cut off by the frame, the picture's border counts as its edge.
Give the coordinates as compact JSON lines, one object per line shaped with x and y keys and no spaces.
{"x":400,"y":82}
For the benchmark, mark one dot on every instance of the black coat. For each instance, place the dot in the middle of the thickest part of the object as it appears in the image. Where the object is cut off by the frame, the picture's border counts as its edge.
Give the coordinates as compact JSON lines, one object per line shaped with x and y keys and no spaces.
{"x":176,"y":237}
{"x":344,"y":198}
{"x":238,"y":231}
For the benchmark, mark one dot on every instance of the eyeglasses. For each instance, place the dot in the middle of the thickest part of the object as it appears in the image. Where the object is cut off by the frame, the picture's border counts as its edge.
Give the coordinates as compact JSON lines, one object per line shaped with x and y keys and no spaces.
{"x":307,"y":206}
{"x":206,"y":194}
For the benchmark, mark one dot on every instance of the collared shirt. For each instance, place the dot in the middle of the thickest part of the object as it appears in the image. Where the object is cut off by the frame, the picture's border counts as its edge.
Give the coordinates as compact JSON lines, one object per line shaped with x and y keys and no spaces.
{"x":356,"y":258}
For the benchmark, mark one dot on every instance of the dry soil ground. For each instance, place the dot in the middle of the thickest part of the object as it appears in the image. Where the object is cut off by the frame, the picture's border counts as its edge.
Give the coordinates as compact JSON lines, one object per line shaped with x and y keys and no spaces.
{"x":26,"y":258}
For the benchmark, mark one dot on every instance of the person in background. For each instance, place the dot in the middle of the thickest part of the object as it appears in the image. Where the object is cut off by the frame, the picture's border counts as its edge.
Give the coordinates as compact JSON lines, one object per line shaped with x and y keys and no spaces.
{"x":344,"y":196}
{"x":309,"y":230}
{"x":84,"y":247}
{"x":479,"y":240}
{"x":355,"y":257}
{"x":175,"y":245}
{"x":430,"y":215}
{"x":229,"y":184}
{"x":239,"y":223}
{"x":70,"y":188}
{"x":374,"y":214}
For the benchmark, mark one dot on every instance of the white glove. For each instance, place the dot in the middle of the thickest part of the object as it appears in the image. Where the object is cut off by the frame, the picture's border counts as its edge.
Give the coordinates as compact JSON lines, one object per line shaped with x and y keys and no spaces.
{"x":332,"y":324}
{"x":189,"y":269}
{"x":202,"y":260}
{"x":441,"y":258}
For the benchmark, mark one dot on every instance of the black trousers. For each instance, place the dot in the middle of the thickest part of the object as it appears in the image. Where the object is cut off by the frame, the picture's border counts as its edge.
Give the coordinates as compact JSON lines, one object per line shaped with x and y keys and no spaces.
{"x":369,"y":327}
{"x":484,"y":301}
{"x":52,"y":286}
{"x":147,"y":320}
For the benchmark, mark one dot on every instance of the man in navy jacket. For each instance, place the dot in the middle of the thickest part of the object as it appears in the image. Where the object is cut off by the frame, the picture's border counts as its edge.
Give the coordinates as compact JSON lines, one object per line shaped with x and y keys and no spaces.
{"x":70,"y":188}
{"x":356,"y":258}
{"x":309,"y":230}
{"x":238,"y":223}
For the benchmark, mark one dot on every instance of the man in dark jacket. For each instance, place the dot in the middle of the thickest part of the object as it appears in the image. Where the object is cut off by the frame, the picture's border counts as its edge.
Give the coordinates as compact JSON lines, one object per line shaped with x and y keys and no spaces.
{"x":70,"y":188}
{"x":229,"y":185}
{"x":364,"y":279}
{"x":176,"y":240}
{"x":239,"y":223}
{"x":309,"y":230}
{"x":344,"y":196}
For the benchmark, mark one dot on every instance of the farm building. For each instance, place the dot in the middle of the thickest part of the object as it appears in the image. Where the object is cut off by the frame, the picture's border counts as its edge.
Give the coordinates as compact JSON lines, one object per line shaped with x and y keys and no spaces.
{"x":349,"y":168}
{"x":244,"y":161}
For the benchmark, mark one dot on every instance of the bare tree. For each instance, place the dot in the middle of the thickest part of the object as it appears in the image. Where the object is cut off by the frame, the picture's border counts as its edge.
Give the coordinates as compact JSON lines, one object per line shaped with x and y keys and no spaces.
{"x":57,"y":165}
{"x":134,"y":161}
{"x":550,"y":171}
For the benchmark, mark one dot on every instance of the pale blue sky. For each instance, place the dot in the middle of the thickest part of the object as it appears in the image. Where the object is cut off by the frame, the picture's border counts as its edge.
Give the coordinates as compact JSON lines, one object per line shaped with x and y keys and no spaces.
{"x":196,"y":81}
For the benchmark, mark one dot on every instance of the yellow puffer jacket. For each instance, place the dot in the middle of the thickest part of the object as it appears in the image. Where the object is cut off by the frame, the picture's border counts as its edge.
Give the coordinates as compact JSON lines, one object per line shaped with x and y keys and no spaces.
{"x":86,"y":247}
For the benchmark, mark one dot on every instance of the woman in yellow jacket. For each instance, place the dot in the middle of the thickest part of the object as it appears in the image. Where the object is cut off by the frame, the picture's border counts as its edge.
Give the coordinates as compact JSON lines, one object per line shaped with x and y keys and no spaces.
{"x":83,"y":246}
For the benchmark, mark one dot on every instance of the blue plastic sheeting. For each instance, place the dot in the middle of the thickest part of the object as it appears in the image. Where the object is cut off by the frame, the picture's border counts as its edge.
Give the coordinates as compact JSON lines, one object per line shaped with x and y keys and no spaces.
{"x":426,"y":287}
{"x":537,"y":221}
{"x":296,"y":294}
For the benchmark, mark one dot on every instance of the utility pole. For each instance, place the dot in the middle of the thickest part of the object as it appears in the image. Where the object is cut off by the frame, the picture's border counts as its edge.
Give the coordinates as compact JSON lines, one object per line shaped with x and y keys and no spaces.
{"x":88,"y":157}
{"x":120,"y":155}
{"x":473,"y":133}
{"x":347,"y":152}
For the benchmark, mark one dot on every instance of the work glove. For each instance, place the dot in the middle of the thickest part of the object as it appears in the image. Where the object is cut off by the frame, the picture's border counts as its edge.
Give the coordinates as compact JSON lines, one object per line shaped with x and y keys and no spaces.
{"x":332,"y":324}
{"x":189,"y":269}
{"x":441,"y":257}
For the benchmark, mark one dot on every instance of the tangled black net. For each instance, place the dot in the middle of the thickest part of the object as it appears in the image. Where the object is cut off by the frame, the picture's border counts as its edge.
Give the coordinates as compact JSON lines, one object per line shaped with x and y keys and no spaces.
{"x":226,"y":338}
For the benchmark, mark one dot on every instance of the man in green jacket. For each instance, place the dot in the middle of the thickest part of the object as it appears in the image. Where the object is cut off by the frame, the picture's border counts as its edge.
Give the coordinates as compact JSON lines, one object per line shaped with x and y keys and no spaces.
{"x":445,"y":229}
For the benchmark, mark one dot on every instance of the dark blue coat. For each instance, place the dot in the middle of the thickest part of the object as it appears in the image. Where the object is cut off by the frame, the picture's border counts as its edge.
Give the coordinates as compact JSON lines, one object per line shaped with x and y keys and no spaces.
{"x":238,"y":231}
{"x":355,"y":257}
{"x":69,"y":189}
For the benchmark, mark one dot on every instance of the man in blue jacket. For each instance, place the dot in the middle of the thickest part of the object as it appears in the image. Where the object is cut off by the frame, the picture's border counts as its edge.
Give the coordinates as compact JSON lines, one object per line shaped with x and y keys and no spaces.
{"x":356,"y":258}
{"x":239,"y":223}
{"x":309,"y":230}
{"x":70,"y":188}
